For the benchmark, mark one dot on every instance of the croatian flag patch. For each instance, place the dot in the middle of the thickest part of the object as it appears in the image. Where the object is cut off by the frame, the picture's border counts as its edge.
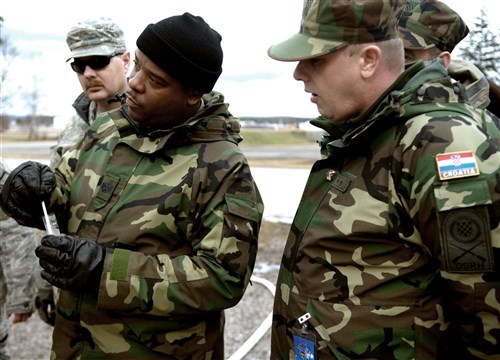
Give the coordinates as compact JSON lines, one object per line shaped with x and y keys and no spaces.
{"x":456,"y":165}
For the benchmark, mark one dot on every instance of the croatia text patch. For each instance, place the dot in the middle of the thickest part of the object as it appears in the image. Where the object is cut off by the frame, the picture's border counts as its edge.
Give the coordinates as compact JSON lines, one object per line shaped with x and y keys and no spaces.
{"x":456,"y":165}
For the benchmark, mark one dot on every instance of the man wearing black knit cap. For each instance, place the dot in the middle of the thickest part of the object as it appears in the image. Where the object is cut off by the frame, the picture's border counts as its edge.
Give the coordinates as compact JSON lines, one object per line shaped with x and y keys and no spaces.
{"x":188,"y":51}
{"x":158,"y":210}
{"x":186,"y":48}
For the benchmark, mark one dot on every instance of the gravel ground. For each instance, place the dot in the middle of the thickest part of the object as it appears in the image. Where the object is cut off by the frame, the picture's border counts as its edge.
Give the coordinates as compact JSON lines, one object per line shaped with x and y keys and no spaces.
{"x":31,"y":340}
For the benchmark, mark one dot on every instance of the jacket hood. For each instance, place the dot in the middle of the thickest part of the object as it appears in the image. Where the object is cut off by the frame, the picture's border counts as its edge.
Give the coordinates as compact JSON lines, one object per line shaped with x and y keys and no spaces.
{"x":213,"y":122}
{"x":475,"y":82}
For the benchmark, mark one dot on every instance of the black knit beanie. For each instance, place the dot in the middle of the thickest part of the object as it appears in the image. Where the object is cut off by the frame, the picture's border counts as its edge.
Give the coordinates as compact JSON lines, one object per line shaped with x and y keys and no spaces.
{"x":187,"y":48}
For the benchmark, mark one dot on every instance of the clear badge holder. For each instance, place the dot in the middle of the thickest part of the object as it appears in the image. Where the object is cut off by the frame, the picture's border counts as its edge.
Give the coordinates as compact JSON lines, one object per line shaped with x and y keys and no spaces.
{"x":50,"y":222}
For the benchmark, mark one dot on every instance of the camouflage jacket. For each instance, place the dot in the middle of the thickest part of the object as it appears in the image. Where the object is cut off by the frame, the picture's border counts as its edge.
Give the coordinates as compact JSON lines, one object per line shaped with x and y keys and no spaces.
{"x":394,"y":249}
{"x":182,"y":212}
{"x":17,"y":261}
{"x":475,"y":82}
{"x":74,"y":129}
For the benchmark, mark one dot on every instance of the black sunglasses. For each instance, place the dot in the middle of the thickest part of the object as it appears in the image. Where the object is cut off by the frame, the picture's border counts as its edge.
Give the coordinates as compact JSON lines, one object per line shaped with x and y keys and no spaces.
{"x":94,"y":62}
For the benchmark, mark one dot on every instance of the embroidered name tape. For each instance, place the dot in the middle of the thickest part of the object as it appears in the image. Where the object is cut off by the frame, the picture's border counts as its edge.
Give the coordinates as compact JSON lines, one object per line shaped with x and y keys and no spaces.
{"x":456,"y":165}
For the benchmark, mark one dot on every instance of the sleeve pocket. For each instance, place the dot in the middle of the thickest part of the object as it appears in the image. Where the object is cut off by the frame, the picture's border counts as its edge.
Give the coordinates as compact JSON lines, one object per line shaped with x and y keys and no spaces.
{"x":458,"y":194}
{"x":243,"y":207}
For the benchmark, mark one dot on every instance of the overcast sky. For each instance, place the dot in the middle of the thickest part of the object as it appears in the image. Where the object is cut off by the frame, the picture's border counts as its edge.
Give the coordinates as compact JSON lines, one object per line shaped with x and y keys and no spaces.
{"x":252,"y":83}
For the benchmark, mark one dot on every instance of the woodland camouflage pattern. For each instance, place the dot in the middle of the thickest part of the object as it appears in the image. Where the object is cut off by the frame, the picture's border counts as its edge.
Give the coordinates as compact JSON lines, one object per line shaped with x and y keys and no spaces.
{"x":375,"y":252}
{"x":476,"y":84}
{"x":327,"y":26}
{"x":17,"y":268}
{"x":180,"y":214}
{"x":426,"y":24}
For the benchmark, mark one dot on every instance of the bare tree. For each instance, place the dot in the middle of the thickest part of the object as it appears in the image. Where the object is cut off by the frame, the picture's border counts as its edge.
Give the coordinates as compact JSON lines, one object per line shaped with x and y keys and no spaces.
{"x":10,"y":89}
{"x":33,"y":99}
{"x":8,"y":53}
{"x":482,"y":47}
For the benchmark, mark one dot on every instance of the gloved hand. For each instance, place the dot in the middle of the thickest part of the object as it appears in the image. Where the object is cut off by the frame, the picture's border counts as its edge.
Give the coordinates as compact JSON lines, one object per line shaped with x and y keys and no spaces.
{"x":71,"y":263}
{"x":24,"y":190}
{"x":45,"y":305}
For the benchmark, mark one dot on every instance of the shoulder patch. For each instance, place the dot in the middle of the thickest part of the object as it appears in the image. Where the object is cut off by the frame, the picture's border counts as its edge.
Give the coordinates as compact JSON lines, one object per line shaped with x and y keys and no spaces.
{"x":456,"y":165}
{"x":466,"y":242}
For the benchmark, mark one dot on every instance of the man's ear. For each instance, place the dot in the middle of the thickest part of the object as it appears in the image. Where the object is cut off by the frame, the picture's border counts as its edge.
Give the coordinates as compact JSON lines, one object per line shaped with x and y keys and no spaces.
{"x":446,"y":56}
{"x":370,"y":58}
{"x":126,"y":60}
{"x":194,"y":96}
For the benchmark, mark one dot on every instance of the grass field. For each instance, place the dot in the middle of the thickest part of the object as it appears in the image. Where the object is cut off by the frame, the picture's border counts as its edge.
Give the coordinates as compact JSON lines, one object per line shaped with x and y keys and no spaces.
{"x":276,"y":137}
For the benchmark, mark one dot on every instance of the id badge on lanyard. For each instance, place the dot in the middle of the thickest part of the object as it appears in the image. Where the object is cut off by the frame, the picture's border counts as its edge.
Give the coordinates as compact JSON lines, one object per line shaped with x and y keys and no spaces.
{"x":304,"y":341}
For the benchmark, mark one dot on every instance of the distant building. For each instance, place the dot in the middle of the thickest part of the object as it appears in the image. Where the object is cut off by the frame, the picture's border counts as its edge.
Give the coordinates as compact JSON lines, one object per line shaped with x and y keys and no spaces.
{"x":30,"y":126}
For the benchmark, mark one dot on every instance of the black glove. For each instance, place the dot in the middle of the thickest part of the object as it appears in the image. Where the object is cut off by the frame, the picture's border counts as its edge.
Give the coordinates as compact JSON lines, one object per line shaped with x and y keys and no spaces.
{"x":71,"y":263}
{"x":24,"y":190}
{"x":45,"y":305}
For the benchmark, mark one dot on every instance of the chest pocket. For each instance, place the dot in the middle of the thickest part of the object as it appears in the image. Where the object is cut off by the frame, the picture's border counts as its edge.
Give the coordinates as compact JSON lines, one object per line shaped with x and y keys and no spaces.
{"x":107,"y":187}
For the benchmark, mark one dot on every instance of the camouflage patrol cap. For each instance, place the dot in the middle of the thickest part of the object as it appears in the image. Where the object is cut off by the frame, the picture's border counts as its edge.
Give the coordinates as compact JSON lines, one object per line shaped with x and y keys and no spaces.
{"x":426,"y":24}
{"x":328,"y":25}
{"x":99,"y":36}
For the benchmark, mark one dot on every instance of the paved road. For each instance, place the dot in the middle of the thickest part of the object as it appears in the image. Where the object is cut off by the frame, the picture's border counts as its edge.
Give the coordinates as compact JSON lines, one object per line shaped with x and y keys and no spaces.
{"x":35,"y":149}
{"x":41,"y":149}
{"x":305,"y":152}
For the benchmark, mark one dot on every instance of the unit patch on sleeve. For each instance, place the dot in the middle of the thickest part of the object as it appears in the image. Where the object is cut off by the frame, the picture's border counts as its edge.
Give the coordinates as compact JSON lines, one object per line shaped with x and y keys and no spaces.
{"x":456,"y":165}
{"x":466,"y":242}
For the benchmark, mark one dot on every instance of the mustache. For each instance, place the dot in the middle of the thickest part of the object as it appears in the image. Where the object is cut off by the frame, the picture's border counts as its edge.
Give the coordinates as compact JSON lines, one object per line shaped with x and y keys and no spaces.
{"x":93,"y":82}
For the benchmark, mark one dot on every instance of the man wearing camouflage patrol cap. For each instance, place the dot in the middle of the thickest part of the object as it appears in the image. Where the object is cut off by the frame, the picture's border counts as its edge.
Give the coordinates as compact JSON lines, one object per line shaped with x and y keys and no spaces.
{"x":101,"y":61}
{"x":431,"y":29}
{"x":430,"y":24}
{"x":393,"y":251}
{"x":158,"y":207}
